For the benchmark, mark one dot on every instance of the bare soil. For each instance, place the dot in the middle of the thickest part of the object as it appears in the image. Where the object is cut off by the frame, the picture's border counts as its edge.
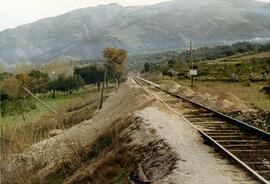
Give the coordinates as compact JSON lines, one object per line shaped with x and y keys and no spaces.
{"x":225,"y":103}
{"x":222,"y":101}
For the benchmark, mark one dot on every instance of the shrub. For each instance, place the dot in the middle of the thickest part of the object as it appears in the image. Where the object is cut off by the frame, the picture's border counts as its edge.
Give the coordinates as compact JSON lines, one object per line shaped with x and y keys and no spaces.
{"x":267,"y":90}
{"x":234,"y":77}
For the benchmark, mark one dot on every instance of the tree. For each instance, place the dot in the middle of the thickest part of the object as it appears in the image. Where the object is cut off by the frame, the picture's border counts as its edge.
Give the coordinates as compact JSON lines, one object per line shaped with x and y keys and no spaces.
{"x":115,"y":61}
{"x":35,"y":81}
{"x":13,"y":87}
{"x":171,"y":63}
{"x":115,"y":65}
{"x":15,"y":98}
{"x":24,"y":79}
{"x":65,"y":84}
{"x":38,"y":74}
{"x":147,"y":67}
{"x":91,"y":74}
{"x":38,"y":81}
{"x":71,"y":83}
{"x":5,"y":76}
{"x":52,"y":87}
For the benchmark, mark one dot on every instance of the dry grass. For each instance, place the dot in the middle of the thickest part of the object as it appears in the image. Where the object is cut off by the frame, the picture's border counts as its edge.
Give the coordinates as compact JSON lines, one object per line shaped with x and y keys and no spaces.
{"x":251,"y":94}
{"x":110,"y":159}
{"x":238,"y":58}
{"x":18,"y":137}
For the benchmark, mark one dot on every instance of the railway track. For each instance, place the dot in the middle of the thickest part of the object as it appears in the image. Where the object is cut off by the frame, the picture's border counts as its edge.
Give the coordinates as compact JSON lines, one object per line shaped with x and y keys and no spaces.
{"x":245,"y":145}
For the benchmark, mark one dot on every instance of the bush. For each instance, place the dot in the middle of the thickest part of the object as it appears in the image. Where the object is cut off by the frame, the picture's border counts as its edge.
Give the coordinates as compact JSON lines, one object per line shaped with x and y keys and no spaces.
{"x":16,"y":106}
{"x":234,"y":77}
{"x":267,"y":90}
{"x":65,"y":84}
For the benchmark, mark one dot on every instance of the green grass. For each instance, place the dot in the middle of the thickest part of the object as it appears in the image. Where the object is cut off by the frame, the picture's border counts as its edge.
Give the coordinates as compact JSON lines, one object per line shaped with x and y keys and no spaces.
{"x":238,"y":58}
{"x":214,"y":77}
{"x":58,"y":103}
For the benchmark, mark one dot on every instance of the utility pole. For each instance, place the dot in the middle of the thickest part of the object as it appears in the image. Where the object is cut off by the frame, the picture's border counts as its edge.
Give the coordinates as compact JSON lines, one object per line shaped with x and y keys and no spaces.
{"x":70,"y":66}
{"x":191,"y":61}
{"x":40,"y":101}
{"x":103,"y":84}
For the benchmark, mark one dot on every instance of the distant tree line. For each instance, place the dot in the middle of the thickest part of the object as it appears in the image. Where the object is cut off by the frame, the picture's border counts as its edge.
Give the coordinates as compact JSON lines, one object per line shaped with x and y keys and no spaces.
{"x":249,"y":69}
{"x":15,"y":100}
{"x":91,"y":74}
{"x":199,"y":54}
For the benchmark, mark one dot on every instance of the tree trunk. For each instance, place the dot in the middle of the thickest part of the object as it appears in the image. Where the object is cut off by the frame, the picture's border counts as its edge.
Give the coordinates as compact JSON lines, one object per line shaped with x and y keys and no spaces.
{"x":53,"y":93}
{"x":107,"y":84}
{"x":115,"y":83}
{"x":102,"y":90}
{"x":22,"y":116}
{"x":118,"y":81}
{"x":98,"y":85}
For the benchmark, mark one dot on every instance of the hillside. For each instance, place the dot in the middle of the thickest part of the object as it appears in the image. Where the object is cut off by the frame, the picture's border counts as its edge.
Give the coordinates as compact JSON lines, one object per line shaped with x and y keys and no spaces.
{"x":135,"y":138}
{"x":138,"y":29}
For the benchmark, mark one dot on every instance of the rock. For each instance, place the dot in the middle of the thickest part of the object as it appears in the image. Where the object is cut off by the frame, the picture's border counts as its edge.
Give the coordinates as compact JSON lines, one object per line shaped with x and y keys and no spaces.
{"x":55,"y":132}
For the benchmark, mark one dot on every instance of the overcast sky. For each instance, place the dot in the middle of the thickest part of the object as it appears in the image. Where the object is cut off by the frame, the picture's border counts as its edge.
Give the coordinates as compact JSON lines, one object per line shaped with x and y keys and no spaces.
{"x":17,"y":12}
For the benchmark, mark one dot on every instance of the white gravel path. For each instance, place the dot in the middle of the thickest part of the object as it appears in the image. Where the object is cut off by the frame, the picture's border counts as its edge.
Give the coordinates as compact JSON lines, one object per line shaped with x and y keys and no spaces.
{"x":198,"y":162}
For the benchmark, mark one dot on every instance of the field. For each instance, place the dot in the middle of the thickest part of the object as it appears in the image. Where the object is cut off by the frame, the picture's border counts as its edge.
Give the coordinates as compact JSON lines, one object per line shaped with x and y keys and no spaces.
{"x":216,"y":76}
{"x":251,"y":94}
{"x":58,"y":103}
{"x":17,"y":134}
{"x":238,"y":58}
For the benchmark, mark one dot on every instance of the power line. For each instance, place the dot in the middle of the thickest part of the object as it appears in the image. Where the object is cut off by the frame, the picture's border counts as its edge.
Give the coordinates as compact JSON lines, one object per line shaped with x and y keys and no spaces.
{"x":83,"y":17}
{"x":72,"y":17}
{"x":88,"y":28}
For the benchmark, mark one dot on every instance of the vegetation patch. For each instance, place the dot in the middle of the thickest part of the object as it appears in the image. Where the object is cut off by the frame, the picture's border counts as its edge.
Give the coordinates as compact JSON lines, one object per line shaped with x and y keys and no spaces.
{"x":16,"y":137}
{"x":114,"y":159}
{"x":259,"y":119}
{"x":267,"y":90}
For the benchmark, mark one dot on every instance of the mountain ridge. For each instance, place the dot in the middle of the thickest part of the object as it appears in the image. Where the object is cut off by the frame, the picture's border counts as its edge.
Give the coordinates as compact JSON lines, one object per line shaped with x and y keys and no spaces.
{"x":85,"y":32}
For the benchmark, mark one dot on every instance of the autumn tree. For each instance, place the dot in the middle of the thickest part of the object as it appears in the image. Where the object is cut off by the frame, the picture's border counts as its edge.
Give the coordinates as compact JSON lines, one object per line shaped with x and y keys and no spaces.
{"x":16,"y":99}
{"x":115,"y":65}
{"x":38,"y":81}
{"x":115,"y":61}
{"x":5,"y":76}
{"x":35,"y":81}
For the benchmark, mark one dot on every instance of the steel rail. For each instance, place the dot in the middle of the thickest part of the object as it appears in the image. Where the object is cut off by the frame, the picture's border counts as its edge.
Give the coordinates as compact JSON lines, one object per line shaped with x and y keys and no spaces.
{"x":258,"y":132}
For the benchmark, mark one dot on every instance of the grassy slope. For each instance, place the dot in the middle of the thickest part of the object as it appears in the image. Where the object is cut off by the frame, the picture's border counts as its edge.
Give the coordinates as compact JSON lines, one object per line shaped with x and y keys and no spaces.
{"x":58,"y":103}
{"x":17,"y":135}
{"x":238,"y":58}
{"x":251,"y":94}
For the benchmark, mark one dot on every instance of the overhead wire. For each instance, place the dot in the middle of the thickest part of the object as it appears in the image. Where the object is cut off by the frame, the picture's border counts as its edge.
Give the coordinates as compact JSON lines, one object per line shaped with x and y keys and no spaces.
{"x":90,"y":35}
{"x":46,"y":27}
{"x":83,"y":17}
{"x":73,"y":20}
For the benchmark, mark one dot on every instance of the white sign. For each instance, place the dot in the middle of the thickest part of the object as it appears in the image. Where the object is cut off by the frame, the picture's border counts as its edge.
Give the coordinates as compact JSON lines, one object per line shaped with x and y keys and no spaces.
{"x":193,"y":72}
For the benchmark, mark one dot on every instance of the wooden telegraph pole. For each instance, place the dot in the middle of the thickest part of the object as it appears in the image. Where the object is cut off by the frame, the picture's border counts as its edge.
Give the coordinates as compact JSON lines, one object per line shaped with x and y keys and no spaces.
{"x":103,"y":84}
{"x":40,"y":101}
{"x":191,"y":61}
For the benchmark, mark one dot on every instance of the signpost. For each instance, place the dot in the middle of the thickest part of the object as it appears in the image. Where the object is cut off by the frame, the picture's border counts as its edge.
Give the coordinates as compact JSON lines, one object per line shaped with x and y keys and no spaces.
{"x":193,"y":72}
